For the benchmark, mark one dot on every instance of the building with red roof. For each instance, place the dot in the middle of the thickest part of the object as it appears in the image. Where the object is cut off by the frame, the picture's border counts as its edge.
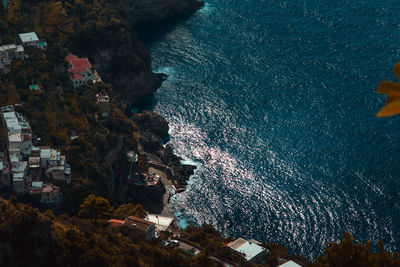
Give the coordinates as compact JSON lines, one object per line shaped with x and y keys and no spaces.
{"x":141,"y":226}
{"x":80,"y":70}
{"x":116,"y":223}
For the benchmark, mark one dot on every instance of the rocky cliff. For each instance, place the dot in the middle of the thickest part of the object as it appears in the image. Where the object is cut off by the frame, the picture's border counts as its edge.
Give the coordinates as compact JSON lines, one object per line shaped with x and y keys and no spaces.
{"x":153,"y":130}
{"x":145,"y":11}
{"x":120,"y":56}
{"x":123,"y":61}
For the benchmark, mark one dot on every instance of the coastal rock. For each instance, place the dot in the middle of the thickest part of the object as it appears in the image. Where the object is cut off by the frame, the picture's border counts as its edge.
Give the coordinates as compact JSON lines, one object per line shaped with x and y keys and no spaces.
{"x":153,"y":130}
{"x":152,"y":123}
{"x":182,"y":172}
{"x":145,"y":11}
{"x":127,"y":66}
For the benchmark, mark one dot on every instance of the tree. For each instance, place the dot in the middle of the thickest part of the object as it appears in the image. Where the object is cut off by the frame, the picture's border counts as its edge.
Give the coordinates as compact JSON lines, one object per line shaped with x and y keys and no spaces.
{"x":347,"y":253}
{"x":126,"y":210}
{"x":95,"y":208}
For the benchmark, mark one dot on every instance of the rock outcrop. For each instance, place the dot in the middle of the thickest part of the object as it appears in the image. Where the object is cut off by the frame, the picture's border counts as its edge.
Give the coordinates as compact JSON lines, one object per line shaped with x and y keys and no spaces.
{"x":153,"y":130}
{"x":145,"y":11}
{"x":151,"y":122}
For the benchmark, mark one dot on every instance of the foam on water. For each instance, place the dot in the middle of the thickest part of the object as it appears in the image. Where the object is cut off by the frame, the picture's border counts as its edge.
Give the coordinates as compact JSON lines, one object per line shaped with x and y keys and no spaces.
{"x":275,"y":103}
{"x":207,"y":9}
{"x":170,"y":71}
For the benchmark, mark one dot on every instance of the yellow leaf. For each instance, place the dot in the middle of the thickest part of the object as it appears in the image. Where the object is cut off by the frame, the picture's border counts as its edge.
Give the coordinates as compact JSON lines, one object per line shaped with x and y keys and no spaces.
{"x":389,"y":88}
{"x":396,"y":70}
{"x":392,"y":108}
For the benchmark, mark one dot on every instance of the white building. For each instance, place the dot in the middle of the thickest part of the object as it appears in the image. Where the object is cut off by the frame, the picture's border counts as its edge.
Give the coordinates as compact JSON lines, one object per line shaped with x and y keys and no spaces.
{"x":19,"y":146}
{"x":251,"y":250}
{"x":54,"y":164}
{"x":29,"y":39}
{"x":19,"y":132}
{"x":9,"y":52}
{"x":162,"y":223}
{"x":289,"y":264}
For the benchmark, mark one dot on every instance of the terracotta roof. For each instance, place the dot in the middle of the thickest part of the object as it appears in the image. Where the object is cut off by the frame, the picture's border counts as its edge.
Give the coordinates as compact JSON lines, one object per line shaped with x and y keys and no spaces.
{"x":77,"y":76}
{"x":137,"y":223}
{"x":70,"y":57}
{"x":78,"y":65}
{"x":81,"y":65}
{"x":115,"y":222}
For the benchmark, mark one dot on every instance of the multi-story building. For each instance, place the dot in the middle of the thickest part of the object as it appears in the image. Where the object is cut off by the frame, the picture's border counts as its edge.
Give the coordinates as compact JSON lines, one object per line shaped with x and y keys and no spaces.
{"x":19,"y":146}
{"x":10,"y":52}
{"x":26,"y":161}
{"x":55,"y":165}
{"x":47,"y":194}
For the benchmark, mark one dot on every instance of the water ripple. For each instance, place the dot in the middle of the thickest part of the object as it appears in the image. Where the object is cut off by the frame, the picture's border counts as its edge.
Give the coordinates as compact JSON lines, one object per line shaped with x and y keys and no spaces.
{"x":275,"y":102}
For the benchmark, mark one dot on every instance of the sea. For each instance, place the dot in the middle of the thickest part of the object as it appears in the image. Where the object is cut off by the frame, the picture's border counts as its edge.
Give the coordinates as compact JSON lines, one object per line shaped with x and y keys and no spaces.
{"x":275,"y":103}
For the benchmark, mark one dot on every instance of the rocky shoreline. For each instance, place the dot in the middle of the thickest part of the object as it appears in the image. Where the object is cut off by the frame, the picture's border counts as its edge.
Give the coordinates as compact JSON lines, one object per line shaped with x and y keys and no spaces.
{"x":133,"y":85}
{"x":153,"y":129}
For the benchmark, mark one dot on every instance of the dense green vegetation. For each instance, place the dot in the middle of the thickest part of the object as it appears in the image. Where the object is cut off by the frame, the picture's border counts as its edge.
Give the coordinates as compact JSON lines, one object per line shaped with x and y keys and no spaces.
{"x":31,"y":238}
{"x":348,"y":253}
{"x":60,"y":112}
{"x":81,"y":236}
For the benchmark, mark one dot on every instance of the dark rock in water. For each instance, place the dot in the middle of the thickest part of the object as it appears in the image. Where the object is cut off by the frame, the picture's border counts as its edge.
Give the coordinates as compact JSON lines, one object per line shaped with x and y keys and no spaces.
{"x":153,"y":129}
{"x":182,"y":172}
{"x":152,"y":123}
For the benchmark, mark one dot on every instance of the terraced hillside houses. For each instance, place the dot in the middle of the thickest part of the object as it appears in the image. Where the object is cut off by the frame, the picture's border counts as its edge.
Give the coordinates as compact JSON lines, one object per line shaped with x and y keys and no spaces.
{"x":27,"y":165}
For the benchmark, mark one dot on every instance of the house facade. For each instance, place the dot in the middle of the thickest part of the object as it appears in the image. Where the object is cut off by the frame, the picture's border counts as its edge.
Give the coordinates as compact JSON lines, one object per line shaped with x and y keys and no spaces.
{"x":25,"y":162}
{"x":80,"y":70}
{"x":10,"y":52}
{"x":141,"y":226}
{"x":19,"y":146}
{"x":47,"y":194}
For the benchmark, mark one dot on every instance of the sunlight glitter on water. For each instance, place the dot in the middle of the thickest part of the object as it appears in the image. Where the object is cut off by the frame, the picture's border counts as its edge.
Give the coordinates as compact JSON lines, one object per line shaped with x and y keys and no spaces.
{"x":275,"y":101}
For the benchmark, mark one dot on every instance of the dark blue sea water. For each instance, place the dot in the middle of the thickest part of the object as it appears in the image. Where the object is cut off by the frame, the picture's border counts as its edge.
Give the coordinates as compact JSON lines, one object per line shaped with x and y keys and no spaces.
{"x":275,"y":102}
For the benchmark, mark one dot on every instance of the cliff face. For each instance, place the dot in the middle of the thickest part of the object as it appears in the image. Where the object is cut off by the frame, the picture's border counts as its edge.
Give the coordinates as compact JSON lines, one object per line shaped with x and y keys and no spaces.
{"x":153,"y":130}
{"x":120,"y":59}
{"x":127,"y":67}
{"x":118,"y":52}
{"x":144,"y":11}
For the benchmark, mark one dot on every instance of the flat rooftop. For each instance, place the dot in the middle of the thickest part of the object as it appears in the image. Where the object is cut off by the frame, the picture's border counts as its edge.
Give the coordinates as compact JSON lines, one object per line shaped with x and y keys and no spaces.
{"x":249,"y":249}
{"x":290,"y":264}
{"x":28,"y":37}
{"x":161,"y":222}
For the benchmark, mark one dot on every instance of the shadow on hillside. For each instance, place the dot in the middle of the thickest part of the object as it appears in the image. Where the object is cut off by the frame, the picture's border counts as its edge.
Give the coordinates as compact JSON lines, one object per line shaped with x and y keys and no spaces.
{"x":155,"y":31}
